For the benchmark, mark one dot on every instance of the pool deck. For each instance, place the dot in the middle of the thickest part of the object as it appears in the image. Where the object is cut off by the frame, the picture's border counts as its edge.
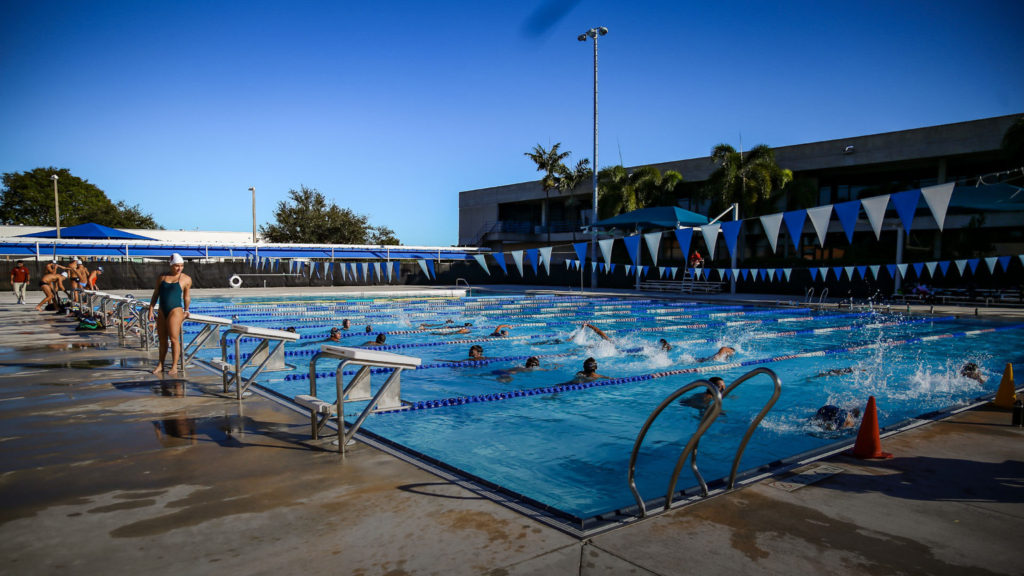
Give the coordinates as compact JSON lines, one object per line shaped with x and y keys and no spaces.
{"x":107,"y":469}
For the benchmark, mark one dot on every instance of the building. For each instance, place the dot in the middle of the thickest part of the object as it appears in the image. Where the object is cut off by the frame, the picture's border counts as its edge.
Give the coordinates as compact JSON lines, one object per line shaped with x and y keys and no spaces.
{"x":514,"y":216}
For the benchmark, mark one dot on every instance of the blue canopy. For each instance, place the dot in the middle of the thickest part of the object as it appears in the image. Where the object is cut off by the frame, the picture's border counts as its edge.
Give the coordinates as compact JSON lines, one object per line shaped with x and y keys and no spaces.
{"x":657,"y":217}
{"x":88,"y":231}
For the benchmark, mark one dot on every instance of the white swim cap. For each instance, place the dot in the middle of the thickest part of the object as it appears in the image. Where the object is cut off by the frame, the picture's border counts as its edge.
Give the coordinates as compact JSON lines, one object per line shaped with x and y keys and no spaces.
{"x":177,"y":259}
{"x":64,"y":274}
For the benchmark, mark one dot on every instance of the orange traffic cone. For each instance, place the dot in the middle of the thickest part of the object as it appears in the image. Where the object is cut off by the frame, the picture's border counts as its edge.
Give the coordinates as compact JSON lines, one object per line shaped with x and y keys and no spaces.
{"x":868,"y":444}
{"x":1005,"y":396}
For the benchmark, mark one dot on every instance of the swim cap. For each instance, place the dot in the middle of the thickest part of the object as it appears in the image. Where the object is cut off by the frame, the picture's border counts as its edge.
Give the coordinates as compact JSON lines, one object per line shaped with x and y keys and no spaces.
{"x":64,"y":274}
{"x":99,"y":269}
{"x":177,"y":259}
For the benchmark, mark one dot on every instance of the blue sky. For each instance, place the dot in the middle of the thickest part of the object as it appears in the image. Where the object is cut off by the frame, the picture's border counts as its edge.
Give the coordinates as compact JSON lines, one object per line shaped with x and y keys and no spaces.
{"x":393,"y":108}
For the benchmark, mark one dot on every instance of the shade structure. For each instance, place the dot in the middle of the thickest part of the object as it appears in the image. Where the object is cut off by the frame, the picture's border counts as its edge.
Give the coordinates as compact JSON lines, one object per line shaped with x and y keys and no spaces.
{"x":652,"y":218}
{"x":89,"y":231}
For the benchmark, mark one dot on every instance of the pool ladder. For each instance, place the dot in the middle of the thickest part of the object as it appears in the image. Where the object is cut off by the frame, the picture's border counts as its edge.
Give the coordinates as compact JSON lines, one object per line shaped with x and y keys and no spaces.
{"x":710,"y":414}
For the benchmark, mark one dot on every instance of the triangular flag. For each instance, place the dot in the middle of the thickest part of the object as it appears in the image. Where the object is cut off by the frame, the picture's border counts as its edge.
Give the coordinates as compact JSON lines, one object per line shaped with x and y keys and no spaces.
{"x":481,"y":259}
{"x":606,"y":246}
{"x":991,"y":264}
{"x":891,"y":268}
{"x":423,"y":267}
{"x":611,"y":269}
{"x":730,"y":231}
{"x":838,"y":272}
{"x":863,"y":270}
{"x":376,"y":271}
{"x":960,"y":265}
{"x":820,"y":217}
{"x":874,"y":208}
{"x":499,"y":257}
{"x":794,"y":220}
{"x":903,"y":269}
{"x":874,"y":271}
{"x":823,"y":270}
{"x":366,"y":271}
{"x":847,"y":212}
{"x":937,"y":199}
{"x":973,"y":263}
{"x":918,"y":269}
{"x":390,"y":269}
{"x":944,"y":267}
{"x":771,"y":224}
{"x":710,"y":232}
{"x":684,"y":236}
{"x":531,"y":257}
{"x":633,"y":248}
{"x":1004,"y":261}
{"x":398,"y":270}
{"x":673,"y":270}
{"x":771,"y":274}
{"x":653,"y":241}
{"x":814,"y":274}
{"x":593,"y":267}
{"x":581,"y":250}
{"x":905,"y":204}
{"x":931,"y":268}
{"x":736,"y":273}
{"x":643,"y":271}
{"x":787,"y":272}
{"x":517,"y":257}
{"x":629,"y":269}
{"x":849,"y":272}
{"x":545,"y":258}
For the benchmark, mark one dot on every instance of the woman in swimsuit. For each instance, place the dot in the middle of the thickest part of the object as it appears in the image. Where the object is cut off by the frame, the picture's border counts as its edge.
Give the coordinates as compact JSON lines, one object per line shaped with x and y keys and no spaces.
{"x":172,"y":293}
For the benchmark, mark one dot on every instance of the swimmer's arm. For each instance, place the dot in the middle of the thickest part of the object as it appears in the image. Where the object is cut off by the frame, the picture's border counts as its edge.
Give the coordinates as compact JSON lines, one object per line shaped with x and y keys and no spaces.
{"x":186,"y":293}
{"x":597,"y":331}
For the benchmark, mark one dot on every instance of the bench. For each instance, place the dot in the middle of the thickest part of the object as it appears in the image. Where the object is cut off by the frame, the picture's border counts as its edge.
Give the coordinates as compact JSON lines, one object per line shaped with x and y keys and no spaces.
{"x":269,"y":353}
{"x":388,"y":397}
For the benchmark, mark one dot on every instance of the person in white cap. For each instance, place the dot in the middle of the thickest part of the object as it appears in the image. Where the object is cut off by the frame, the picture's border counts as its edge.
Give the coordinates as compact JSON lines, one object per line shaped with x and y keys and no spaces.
{"x":49,"y":284}
{"x":172,"y":293}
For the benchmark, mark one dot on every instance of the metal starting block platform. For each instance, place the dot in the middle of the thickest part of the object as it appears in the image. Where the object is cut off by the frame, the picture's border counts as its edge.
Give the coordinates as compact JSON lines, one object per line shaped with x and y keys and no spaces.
{"x":269,"y":353}
{"x":388,"y":397}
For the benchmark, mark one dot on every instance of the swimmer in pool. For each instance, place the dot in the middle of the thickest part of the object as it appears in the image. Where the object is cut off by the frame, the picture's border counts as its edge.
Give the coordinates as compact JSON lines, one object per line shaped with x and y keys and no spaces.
{"x":701,"y":400}
{"x":664,"y":345}
{"x":971,"y":370}
{"x":476,"y":352}
{"x":724,"y":353}
{"x":345,"y":324}
{"x":831,"y":417}
{"x":838,"y":372}
{"x":381,"y":339}
{"x":334,"y":336}
{"x":501,"y":331}
{"x":505,"y":376}
{"x":589,"y":372}
{"x":460,"y":330}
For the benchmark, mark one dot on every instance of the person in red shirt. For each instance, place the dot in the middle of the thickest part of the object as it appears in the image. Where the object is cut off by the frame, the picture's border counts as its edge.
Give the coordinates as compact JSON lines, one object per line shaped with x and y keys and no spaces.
{"x":696,"y":260}
{"x":19,"y":280}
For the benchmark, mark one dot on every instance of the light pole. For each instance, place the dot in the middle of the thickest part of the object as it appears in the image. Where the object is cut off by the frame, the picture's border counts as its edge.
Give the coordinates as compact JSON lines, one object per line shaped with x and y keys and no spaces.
{"x":594,"y":33}
{"x":253,"y":190}
{"x":56,"y":204}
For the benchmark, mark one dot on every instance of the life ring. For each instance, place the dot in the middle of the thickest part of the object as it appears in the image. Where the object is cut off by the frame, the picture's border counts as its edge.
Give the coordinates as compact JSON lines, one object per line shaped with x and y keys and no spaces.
{"x":235,"y":281}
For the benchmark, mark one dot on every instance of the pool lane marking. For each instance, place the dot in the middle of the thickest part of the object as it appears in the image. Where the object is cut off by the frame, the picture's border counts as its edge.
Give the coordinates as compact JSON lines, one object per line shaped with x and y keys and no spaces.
{"x":544,"y":390}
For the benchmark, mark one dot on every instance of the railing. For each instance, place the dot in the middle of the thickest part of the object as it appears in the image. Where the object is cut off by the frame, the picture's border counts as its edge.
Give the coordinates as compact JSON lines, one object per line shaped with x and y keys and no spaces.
{"x":707,"y":419}
{"x":824,"y":294}
{"x":809,"y":295}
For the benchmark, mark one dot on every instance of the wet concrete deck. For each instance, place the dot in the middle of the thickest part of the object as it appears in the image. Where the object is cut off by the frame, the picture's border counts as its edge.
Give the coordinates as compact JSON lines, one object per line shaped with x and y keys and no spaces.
{"x":106,"y":469}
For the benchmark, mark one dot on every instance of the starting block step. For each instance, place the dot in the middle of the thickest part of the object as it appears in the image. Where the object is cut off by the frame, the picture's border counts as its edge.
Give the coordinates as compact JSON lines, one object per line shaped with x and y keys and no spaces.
{"x":315,"y":404}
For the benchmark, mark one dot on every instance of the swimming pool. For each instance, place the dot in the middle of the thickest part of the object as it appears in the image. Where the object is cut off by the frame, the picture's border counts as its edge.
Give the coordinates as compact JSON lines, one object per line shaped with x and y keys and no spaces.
{"x":565,"y":447}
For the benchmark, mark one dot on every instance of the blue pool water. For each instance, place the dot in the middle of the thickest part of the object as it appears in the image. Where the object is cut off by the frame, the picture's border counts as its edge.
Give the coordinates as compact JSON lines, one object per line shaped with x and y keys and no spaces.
{"x":568,"y":447}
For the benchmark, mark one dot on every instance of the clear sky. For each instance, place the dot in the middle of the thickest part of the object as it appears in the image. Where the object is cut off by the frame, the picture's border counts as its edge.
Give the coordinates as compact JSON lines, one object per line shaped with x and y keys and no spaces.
{"x":393,"y":108}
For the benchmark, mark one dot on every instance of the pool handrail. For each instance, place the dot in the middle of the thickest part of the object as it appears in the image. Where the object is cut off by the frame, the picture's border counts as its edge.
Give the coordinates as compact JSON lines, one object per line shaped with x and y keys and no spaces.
{"x":711,"y":413}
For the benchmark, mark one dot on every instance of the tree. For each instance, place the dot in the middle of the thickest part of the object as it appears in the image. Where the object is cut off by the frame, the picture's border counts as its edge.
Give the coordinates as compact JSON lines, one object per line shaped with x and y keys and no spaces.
{"x":309,"y":219}
{"x":27,"y":199}
{"x":568,"y":181}
{"x":549,"y":162}
{"x":644,"y":187}
{"x":747,"y":179}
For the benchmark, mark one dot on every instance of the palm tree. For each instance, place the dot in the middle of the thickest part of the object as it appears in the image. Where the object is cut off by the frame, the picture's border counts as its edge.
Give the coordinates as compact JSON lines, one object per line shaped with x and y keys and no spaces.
{"x":747,"y":179}
{"x":646,"y":186}
{"x":568,"y":181}
{"x":548,"y":161}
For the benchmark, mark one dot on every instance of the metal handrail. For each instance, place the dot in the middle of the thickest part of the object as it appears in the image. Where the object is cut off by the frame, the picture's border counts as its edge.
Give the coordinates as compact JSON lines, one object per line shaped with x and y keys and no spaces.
{"x":809,"y":294}
{"x":824,"y":294}
{"x":711,"y":413}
